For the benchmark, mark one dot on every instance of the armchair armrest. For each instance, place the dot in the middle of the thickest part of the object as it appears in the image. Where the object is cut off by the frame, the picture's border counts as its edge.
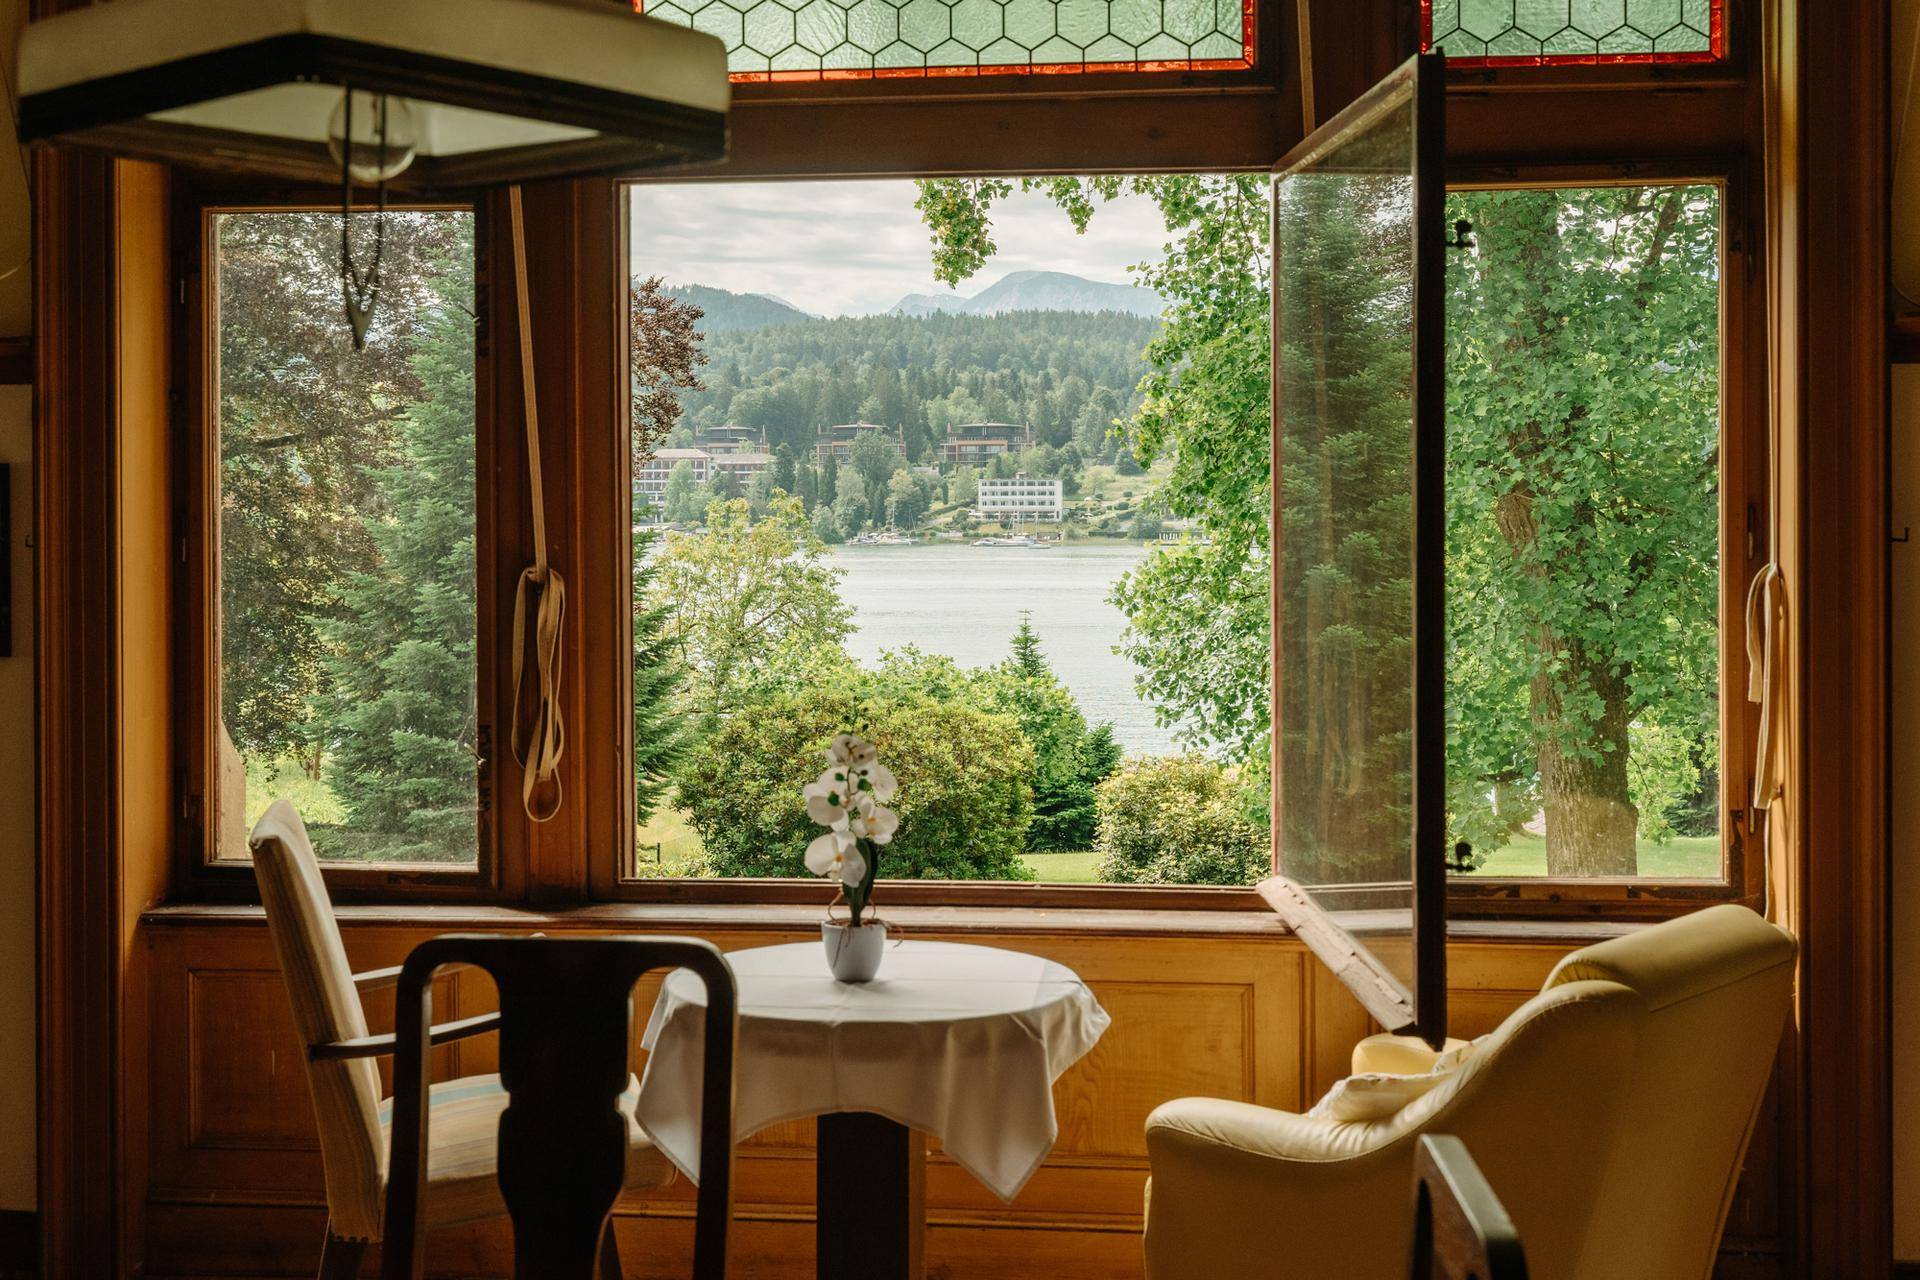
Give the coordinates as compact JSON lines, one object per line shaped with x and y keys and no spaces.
{"x":1231,"y":1179}
{"x":375,"y":1046}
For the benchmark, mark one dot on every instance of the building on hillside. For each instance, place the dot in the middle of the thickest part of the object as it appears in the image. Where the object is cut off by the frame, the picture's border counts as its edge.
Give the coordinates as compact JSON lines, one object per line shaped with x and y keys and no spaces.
{"x":1022,"y":497}
{"x":657,"y":470}
{"x":742,"y":466}
{"x":976,"y":442}
{"x":731,"y":437}
{"x":837,"y":441}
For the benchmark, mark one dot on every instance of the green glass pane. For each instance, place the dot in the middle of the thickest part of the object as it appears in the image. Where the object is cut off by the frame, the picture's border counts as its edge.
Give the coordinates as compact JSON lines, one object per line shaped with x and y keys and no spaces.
{"x":1599,"y":17}
{"x":1135,"y":21}
{"x":976,"y":23}
{"x":1486,"y":18}
{"x":1540,"y":18}
{"x":872,"y":25}
{"x":1626,"y":40}
{"x":1570,"y":44}
{"x":1085,"y":21}
{"x":1653,"y":17}
{"x":769,"y":28}
{"x":821,"y":26}
{"x":876,"y":35}
{"x":1446,"y":20}
{"x":1681,"y":39}
{"x":1188,"y":20}
{"x":1513,"y":44}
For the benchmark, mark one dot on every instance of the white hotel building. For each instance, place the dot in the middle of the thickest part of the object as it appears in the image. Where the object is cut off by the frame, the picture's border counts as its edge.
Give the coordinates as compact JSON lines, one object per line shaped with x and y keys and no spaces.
{"x":1022,"y":498}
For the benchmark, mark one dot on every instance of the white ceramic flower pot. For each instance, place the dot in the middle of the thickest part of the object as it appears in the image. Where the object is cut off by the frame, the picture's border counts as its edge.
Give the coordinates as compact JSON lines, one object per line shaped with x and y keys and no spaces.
{"x":853,"y":954}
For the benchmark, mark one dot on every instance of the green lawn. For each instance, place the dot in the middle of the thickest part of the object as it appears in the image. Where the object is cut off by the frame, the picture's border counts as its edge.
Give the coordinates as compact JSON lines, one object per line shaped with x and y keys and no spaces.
{"x":1526,"y":855}
{"x":1063,"y":868}
{"x":678,"y":843}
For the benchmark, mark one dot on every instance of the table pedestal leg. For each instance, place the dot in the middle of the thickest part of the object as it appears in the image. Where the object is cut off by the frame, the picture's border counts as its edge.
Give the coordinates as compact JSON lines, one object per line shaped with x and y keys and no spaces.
{"x":871,"y":1219}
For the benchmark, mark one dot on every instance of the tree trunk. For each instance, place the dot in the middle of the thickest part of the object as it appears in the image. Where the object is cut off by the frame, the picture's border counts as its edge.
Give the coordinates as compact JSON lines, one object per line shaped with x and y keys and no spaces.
{"x":1591,"y":819}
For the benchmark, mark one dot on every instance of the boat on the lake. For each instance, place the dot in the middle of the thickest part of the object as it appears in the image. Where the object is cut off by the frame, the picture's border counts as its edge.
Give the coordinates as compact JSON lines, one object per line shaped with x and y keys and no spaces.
{"x":1011,"y":540}
{"x":883,"y":538}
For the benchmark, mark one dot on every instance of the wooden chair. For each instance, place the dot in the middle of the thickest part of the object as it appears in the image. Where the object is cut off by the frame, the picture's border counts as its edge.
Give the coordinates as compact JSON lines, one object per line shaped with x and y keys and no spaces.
{"x":566,"y":1009}
{"x":353,"y":1122}
{"x":1460,"y":1229}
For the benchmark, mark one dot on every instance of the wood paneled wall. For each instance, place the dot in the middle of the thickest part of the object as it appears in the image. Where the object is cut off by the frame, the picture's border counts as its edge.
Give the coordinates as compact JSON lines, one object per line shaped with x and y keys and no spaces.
{"x":235,"y":1169}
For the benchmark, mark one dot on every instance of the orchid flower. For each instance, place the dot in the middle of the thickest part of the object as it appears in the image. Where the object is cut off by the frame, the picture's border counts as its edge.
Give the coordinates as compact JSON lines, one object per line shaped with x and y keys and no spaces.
{"x":849,"y":799}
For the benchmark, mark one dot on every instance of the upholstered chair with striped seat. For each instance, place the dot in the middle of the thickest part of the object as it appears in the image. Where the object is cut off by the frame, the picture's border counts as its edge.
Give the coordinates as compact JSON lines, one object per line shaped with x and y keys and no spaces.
{"x":353,"y":1120}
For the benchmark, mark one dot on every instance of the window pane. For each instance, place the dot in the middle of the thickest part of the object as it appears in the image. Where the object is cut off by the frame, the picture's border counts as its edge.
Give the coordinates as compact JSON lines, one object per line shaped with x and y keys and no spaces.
{"x":1344,"y":254}
{"x":1573,"y":32}
{"x":842,"y":39}
{"x":1583,"y":557}
{"x":347,"y":626}
{"x":1015,"y":530}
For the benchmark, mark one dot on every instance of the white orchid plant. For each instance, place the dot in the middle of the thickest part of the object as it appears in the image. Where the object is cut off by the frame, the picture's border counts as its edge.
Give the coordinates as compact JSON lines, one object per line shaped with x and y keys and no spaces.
{"x":850,"y":801}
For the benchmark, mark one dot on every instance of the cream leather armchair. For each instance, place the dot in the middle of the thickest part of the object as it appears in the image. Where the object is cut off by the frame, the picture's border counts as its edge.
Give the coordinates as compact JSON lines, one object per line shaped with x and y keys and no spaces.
{"x":1610,"y":1113}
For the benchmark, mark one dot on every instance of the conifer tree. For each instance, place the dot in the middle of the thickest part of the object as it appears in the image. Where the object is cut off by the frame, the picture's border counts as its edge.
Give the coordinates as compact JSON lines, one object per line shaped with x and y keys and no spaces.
{"x":661,"y":736}
{"x":401,"y":649}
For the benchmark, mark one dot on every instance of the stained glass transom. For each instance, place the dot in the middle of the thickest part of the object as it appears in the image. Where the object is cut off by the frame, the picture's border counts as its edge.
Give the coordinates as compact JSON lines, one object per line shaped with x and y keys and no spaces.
{"x":862,"y":39}
{"x":1561,"y":32}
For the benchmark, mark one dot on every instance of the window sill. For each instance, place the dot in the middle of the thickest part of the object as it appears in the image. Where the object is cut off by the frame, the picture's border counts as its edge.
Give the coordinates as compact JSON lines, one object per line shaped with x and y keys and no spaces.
{"x":1006,"y":922}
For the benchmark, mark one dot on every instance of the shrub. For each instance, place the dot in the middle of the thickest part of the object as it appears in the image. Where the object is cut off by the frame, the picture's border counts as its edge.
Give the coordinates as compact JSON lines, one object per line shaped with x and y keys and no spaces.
{"x":964,"y":803}
{"x":1177,"y":820}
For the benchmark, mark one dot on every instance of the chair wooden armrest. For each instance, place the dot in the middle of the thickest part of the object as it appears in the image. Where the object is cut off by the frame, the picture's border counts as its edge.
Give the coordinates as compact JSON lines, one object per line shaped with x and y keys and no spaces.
{"x":381,"y":979}
{"x":377,"y":1046}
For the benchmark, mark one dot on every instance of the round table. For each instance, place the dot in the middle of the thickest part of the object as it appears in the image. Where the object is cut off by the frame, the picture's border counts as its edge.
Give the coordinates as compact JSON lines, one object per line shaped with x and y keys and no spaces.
{"x":963,"y":1042}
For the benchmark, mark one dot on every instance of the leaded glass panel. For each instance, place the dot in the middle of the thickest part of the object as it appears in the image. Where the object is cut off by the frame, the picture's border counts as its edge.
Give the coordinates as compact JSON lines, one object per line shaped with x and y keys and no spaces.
{"x":1564,"y":32}
{"x":854,"y":39}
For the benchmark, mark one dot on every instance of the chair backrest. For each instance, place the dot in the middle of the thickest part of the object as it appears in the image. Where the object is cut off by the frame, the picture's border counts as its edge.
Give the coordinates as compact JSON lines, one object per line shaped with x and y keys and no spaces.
{"x":326,"y":1006}
{"x":566,"y":1011}
{"x":1461,"y":1231}
{"x":1717,"y":986}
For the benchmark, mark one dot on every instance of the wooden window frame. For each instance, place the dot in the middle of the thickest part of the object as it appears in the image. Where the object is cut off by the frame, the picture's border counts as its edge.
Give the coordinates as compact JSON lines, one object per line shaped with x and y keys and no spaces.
{"x":1507,"y":126}
{"x":1742,"y":525}
{"x":199,"y":873}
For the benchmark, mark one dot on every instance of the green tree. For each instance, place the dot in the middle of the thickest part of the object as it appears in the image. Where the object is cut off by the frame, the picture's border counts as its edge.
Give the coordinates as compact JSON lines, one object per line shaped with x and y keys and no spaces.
{"x":680,"y":501}
{"x":1583,"y":458}
{"x":661,"y":737}
{"x":827,"y":528}
{"x":875,"y":457}
{"x":1027,"y":660}
{"x":850,"y":501}
{"x":401,"y":706}
{"x":1582,"y":408}
{"x":908,"y":498}
{"x":305,"y":421}
{"x":964,"y":801}
{"x":1177,"y":820}
{"x":754,"y":602}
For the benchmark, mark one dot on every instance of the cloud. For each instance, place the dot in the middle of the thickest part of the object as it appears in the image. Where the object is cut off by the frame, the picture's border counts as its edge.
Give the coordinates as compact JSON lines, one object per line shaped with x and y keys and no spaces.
{"x":853,"y":248}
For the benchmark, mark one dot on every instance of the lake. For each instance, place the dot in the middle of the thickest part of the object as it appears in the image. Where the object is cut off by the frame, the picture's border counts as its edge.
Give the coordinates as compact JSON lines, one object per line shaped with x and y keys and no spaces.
{"x":965,"y":602}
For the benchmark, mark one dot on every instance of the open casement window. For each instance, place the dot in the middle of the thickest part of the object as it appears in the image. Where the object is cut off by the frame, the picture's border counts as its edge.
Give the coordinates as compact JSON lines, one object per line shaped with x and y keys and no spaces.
{"x":336,"y":607}
{"x":1359,"y":822}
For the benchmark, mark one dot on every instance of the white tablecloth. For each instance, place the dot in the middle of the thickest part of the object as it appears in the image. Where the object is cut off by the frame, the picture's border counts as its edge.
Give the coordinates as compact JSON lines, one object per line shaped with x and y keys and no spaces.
{"x":958,"y":1041}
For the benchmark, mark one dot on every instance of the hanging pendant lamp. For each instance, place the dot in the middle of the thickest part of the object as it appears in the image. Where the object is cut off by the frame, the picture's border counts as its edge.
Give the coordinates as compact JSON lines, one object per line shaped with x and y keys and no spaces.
{"x":453,"y":94}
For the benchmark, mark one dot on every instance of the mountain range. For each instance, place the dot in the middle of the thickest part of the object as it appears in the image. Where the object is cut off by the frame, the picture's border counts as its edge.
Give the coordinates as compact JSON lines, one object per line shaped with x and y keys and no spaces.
{"x":1037,"y":291}
{"x":727,"y":312}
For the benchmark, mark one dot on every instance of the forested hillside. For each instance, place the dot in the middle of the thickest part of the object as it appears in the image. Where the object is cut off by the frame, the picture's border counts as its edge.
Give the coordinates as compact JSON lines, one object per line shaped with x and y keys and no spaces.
{"x":1066,"y":374}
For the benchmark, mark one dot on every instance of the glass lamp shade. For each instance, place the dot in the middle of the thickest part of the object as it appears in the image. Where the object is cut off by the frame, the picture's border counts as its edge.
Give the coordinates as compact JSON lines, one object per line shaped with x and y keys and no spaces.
{"x":374,"y":134}
{"x":490,"y":91}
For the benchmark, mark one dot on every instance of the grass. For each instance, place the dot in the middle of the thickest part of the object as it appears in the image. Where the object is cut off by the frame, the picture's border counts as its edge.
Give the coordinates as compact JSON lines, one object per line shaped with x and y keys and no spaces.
{"x":284,"y":779}
{"x":1064,"y":868}
{"x":678,"y":843}
{"x":1526,"y":855}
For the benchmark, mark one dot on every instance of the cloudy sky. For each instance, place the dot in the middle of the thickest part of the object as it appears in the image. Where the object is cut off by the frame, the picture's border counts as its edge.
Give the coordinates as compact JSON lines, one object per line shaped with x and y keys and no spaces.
{"x":852,"y":248}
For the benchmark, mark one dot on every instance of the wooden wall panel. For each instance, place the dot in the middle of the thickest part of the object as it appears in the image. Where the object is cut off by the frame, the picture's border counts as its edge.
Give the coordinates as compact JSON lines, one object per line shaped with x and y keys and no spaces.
{"x":235,"y":1176}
